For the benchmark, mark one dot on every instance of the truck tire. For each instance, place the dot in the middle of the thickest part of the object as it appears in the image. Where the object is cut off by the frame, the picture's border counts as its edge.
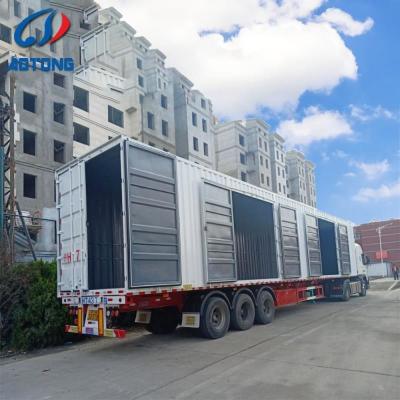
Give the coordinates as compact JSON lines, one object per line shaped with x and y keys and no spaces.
{"x":243,"y":312}
{"x":363,"y":291}
{"x":265,"y":310}
{"x":163,"y":321}
{"x":215,"y":318}
{"x":346,"y":291}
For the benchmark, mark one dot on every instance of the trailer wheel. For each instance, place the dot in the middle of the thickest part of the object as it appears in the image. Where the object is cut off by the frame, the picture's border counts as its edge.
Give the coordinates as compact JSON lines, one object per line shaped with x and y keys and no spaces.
{"x":163,"y":321}
{"x":243,"y":313}
{"x":215,"y":318}
{"x":346,"y":292}
{"x":363,"y":291}
{"x":265,"y":311}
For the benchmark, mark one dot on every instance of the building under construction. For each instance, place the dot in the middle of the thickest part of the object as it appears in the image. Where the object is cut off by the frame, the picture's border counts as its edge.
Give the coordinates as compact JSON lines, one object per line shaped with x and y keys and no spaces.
{"x":36,"y":131}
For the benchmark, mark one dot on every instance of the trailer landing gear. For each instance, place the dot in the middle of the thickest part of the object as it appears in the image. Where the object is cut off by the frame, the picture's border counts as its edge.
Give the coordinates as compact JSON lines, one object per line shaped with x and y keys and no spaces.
{"x":163,"y":321}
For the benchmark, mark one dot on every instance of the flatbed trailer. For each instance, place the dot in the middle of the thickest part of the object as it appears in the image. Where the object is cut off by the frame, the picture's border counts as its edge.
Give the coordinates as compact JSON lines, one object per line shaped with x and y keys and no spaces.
{"x":147,"y":237}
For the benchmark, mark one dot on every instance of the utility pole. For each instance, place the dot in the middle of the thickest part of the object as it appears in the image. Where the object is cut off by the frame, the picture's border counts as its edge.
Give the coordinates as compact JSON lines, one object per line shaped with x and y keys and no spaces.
{"x":7,"y":166}
{"x":379,"y":230}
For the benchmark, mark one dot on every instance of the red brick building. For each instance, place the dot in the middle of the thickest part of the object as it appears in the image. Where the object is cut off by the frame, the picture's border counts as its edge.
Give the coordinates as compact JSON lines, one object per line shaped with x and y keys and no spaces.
{"x":367,"y":236}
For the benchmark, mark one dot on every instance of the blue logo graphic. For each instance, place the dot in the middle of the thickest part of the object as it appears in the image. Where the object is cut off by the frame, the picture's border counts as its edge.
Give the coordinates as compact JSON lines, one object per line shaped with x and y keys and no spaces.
{"x":48,"y":29}
{"x":46,"y":63}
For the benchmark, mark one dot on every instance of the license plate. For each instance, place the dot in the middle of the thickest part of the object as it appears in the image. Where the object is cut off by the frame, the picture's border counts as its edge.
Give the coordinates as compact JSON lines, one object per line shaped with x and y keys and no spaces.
{"x":92,"y":315}
{"x":90,"y":300}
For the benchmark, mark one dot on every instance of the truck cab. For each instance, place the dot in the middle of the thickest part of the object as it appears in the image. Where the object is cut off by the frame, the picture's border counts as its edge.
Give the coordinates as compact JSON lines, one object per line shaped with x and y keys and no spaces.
{"x":361,"y":262}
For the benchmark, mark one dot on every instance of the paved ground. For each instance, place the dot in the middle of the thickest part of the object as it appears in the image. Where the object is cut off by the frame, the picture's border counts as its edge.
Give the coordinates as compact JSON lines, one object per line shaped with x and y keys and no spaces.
{"x":328,"y":350}
{"x":384,"y":284}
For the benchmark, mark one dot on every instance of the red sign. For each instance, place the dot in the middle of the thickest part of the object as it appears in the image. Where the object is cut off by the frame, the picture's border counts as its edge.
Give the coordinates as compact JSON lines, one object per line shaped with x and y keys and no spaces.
{"x":384,"y":255}
{"x":71,"y":257}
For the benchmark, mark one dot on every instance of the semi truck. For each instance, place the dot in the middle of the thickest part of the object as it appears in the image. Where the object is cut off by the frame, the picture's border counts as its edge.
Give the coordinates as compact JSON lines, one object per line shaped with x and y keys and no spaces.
{"x":147,"y":237}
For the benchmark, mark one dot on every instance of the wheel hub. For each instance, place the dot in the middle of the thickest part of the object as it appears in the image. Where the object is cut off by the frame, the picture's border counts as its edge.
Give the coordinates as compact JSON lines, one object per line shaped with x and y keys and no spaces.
{"x":216,"y":317}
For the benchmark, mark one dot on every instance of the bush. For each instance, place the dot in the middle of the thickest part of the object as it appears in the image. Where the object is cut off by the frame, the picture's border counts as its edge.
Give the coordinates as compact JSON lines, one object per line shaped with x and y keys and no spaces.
{"x":31,"y":314}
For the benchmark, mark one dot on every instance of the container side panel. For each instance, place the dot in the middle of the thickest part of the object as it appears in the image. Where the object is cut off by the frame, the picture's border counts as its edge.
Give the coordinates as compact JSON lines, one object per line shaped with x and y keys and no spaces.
{"x":254,"y":238}
{"x":344,"y":252}
{"x":313,"y":246}
{"x":72,"y":236}
{"x":219,"y":234}
{"x":154,"y":234}
{"x":290,"y":243}
{"x":327,"y":237}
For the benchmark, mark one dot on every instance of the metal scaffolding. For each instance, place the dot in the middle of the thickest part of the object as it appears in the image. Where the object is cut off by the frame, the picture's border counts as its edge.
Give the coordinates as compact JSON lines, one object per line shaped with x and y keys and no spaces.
{"x":7,"y":165}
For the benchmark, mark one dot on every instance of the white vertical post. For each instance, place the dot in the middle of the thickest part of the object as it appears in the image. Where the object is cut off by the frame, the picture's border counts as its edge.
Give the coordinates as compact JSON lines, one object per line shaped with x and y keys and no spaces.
{"x":380,"y":243}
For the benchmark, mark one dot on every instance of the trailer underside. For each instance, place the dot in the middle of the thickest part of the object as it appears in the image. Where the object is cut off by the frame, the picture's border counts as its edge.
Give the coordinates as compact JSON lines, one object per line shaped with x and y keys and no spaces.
{"x":108,"y":315}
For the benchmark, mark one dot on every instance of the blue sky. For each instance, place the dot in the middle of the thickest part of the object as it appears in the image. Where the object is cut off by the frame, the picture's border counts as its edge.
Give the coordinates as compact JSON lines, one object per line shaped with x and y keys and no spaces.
{"x":352,"y":171}
{"x":378,"y":84}
{"x":323,"y":73}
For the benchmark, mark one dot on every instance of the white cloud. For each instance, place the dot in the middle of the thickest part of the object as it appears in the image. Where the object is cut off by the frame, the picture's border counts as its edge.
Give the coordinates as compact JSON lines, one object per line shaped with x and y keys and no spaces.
{"x":274,"y":51}
{"x":340,"y":154}
{"x":382,"y":192}
{"x":315,"y":126}
{"x":345,"y":23}
{"x":325,"y":157}
{"x":350,"y":174}
{"x":372,"y":170}
{"x":367,"y":113}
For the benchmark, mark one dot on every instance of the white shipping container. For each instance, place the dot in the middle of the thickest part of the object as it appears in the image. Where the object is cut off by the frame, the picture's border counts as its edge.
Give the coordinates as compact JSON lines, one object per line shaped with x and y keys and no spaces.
{"x":133,"y":218}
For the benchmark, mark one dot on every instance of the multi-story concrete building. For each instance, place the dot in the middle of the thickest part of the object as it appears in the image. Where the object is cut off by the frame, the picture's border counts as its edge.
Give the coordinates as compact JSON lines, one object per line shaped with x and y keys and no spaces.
{"x":105,"y":106}
{"x":194,"y":122}
{"x":278,"y":163}
{"x":43,"y":101}
{"x":295,"y":168}
{"x":154,"y":104}
{"x":146,"y":98}
{"x":248,"y":151}
{"x":231,"y":148}
{"x":258,"y":155}
{"x":310,"y":183}
{"x":301,"y":178}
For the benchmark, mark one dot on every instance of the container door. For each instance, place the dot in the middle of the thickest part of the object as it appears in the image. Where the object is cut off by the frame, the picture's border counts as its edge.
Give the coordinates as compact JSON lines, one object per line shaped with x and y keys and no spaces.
{"x":153,"y":221}
{"x":328,"y":246}
{"x":344,"y":252}
{"x":72,"y":236}
{"x":313,"y":246}
{"x":219,"y":235}
{"x":290,"y":243}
